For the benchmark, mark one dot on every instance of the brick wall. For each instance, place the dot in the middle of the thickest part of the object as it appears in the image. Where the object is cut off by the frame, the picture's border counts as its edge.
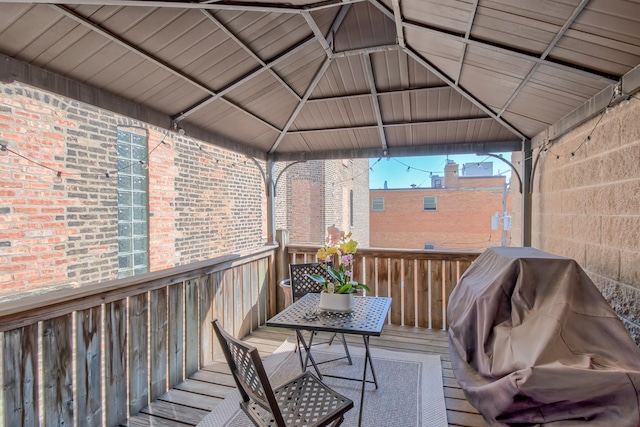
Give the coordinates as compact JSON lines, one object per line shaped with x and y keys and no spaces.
{"x":462,"y":219}
{"x":63,"y":232}
{"x":316,"y":194}
{"x":588,"y":208}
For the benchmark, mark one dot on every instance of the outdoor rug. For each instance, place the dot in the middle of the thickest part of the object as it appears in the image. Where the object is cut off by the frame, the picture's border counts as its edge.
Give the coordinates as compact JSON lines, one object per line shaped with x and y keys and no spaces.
{"x":410,"y":392}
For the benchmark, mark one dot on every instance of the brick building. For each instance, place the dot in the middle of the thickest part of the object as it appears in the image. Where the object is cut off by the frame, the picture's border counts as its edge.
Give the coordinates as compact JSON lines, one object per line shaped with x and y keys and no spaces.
{"x":455,"y":215}
{"x":317,"y":194}
{"x":87,"y":195}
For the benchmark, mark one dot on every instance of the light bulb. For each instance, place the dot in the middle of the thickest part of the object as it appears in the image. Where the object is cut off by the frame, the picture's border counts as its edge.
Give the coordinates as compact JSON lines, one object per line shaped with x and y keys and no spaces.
{"x":144,"y":164}
{"x":58,"y":178}
{"x":3,"y":150}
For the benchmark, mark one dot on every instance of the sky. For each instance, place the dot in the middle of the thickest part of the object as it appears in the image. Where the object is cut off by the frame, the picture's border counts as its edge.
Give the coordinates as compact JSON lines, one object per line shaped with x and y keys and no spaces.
{"x":401,"y":172}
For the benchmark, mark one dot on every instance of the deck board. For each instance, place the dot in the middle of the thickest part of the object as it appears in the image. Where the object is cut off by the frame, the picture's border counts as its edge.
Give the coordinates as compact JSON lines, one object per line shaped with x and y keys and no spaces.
{"x":191,"y":400}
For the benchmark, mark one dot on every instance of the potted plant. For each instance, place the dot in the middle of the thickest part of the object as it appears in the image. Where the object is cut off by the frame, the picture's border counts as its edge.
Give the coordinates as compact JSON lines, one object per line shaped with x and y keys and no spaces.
{"x":339,"y":287}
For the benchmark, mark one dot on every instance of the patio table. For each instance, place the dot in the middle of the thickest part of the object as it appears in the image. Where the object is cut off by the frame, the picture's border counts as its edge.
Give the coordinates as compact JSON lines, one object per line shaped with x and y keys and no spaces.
{"x":366,"y":320}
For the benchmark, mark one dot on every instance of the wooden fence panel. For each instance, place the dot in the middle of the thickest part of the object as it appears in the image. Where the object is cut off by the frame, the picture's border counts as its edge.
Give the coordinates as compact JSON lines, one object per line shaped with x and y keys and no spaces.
{"x":254,"y":291}
{"x":115,"y":347}
{"x":263,"y":280}
{"x":138,"y":342}
{"x":94,"y":356}
{"x":57,"y":375}
{"x":218,"y":286}
{"x":20,"y":379}
{"x":191,"y":328}
{"x":424,"y":294}
{"x":88,"y":383}
{"x":237,"y":303}
{"x":436,"y":294}
{"x":229,"y":306}
{"x":246,"y":300}
{"x":396,"y":290}
{"x":176,"y":319}
{"x":206,"y":316}
{"x":159,"y":327}
{"x":410,"y":314}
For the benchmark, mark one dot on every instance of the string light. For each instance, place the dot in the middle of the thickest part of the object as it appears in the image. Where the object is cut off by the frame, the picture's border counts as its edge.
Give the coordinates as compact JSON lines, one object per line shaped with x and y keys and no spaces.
{"x":58,"y":178}
{"x":3,"y":150}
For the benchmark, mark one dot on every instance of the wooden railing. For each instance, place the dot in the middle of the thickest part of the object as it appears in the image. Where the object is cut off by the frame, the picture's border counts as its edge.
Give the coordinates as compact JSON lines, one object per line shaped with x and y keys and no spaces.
{"x":93,"y":355}
{"x":419,"y":281}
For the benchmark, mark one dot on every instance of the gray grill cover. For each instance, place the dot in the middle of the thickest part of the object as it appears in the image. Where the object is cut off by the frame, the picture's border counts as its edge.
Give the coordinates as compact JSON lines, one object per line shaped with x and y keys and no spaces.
{"x":534,"y":342}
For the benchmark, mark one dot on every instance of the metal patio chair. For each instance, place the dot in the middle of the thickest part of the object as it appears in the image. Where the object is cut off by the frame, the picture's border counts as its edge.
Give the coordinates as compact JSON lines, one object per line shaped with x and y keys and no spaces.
{"x":303,"y":401}
{"x":302,"y":284}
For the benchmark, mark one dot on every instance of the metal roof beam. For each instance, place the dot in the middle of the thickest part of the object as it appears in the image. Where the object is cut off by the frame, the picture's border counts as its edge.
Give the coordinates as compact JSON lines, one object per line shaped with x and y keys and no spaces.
{"x":417,"y":150}
{"x":380,"y":93}
{"x":472,"y":18}
{"x":247,"y":7}
{"x":337,"y":22}
{"x":365,"y":50}
{"x":310,"y":89}
{"x":191,"y":109}
{"x":462,"y":91}
{"x":397,"y":18}
{"x":388,"y":125}
{"x":316,"y":32}
{"x":368,"y":66}
{"x":510,"y":52}
{"x":546,"y":52}
{"x":246,"y":48}
{"x":147,"y":56}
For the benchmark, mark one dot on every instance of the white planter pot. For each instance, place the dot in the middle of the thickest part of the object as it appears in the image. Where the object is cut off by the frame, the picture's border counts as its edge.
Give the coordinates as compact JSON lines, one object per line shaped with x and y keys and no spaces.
{"x":341,"y":303}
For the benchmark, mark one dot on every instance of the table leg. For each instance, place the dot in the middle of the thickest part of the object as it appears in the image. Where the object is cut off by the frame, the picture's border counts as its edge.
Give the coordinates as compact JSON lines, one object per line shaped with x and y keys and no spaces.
{"x":309,"y":356}
{"x":368,"y":357}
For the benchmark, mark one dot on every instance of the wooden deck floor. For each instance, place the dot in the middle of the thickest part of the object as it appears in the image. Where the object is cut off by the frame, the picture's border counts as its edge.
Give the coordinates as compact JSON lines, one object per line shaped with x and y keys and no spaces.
{"x":190,"y":401}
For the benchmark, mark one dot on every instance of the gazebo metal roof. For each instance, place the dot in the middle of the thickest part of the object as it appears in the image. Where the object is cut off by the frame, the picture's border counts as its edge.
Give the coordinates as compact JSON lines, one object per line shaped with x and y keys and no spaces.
{"x":303,"y":80}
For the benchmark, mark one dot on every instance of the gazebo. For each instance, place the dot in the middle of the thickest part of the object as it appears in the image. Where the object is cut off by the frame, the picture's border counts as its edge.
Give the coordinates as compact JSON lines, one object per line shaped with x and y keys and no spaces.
{"x":282,"y":82}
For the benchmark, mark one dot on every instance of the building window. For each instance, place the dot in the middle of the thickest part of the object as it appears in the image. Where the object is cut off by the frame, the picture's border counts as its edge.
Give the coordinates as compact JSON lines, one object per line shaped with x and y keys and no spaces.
{"x":377,"y":204}
{"x":429,"y":203}
{"x":351,"y":207}
{"x":429,"y":245}
{"x":133,"y":209}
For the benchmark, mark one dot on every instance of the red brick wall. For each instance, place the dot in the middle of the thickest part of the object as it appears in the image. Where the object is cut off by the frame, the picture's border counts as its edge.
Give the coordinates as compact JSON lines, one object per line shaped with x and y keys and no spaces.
{"x":462,"y":219}
{"x":203,"y":203}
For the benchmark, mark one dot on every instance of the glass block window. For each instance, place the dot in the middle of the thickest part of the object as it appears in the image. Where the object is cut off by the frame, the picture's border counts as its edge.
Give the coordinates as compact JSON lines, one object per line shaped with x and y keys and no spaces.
{"x":133,"y":202}
{"x":377,"y":204}
{"x":429,"y":203}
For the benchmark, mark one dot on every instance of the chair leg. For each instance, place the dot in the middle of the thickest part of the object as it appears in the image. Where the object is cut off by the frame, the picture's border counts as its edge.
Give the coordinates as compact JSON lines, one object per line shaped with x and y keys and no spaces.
{"x":339,"y":421}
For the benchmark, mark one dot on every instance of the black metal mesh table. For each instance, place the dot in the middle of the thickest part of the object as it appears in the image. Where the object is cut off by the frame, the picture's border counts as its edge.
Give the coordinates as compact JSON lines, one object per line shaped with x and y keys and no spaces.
{"x":366,"y":319}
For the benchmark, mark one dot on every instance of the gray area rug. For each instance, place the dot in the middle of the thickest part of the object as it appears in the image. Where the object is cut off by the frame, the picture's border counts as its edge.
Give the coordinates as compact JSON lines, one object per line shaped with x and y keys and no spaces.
{"x":410,"y":392}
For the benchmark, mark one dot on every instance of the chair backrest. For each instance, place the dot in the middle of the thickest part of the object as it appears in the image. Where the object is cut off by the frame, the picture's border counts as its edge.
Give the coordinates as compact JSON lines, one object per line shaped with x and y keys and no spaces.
{"x":248,"y":372}
{"x":301,"y":284}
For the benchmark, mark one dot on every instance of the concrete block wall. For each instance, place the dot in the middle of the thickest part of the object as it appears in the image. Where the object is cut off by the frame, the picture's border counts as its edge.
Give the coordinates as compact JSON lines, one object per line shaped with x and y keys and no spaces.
{"x":587,"y":206}
{"x":58,"y":232}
